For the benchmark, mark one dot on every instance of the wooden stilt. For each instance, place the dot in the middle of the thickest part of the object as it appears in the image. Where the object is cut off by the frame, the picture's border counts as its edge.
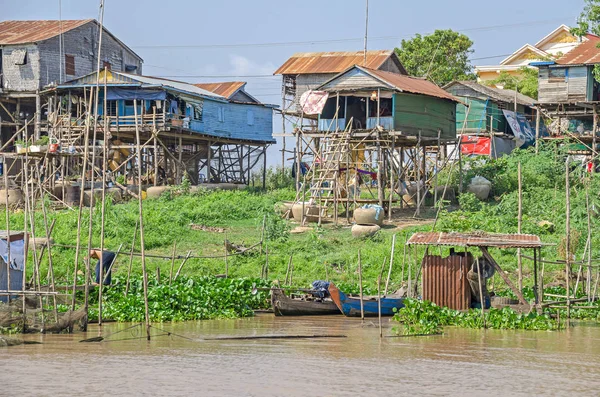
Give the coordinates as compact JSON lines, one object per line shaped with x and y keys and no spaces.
{"x":131,"y":258}
{"x":519,"y":227}
{"x":360,"y":286}
{"x":141,"y":220}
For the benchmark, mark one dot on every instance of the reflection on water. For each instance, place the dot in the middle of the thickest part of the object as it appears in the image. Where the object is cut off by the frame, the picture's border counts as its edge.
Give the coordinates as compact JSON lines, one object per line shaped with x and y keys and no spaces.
{"x":461,"y":362}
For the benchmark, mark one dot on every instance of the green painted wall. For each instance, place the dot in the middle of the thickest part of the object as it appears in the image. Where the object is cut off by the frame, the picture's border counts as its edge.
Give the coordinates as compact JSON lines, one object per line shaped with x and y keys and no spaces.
{"x":414,"y":113}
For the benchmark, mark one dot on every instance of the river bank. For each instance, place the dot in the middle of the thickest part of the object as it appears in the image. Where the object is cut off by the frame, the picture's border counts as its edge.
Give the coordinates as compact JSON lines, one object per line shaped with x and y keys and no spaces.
{"x":460,"y":362}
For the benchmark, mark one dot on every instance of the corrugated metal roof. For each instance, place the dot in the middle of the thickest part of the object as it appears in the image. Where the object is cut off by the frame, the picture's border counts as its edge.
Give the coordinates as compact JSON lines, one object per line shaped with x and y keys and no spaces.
{"x":411,"y":84}
{"x":226,"y":88}
{"x":586,"y":53}
{"x":507,"y":96}
{"x":331,"y":62}
{"x":22,"y":32}
{"x":120,"y":78}
{"x":476,"y":239}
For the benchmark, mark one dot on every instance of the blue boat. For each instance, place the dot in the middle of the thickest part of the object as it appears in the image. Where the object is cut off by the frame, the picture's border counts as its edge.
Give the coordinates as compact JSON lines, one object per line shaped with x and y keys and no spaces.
{"x":350,"y":305}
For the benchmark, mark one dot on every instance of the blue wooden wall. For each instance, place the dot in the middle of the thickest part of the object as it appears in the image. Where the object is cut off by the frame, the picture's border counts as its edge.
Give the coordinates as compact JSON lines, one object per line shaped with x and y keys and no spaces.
{"x":224,"y":119}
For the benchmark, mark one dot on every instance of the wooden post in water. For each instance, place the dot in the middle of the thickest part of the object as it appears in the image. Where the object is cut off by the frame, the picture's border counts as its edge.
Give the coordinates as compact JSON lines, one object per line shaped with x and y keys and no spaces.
{"x":588,"y":283}
{"x":519,"y":227}
{"x":568,"y":238}
{"x":131,"y":259}
{"x":387,"y":281}
{"x":141,"y":219}
{"x":226,"y":261}
{"x":481,"y":292}
{"x":379,"y":296}
{"x":360,"y":286}
{"x":103,"y":204}
{"x":172,"y":262}
{"x":86,"y":148}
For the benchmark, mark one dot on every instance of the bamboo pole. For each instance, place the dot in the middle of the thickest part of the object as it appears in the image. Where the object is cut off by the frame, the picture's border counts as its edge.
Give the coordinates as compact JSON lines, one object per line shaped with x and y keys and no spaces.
{"x":182,"y":263}
{"x":288,"y":270}
{"x":80,"y":209}
{"x":226,"y":261}
{"x":480,"y":292}
{"x":8,"y":234}
{"x":588,"y":285}
{"x":568,"y":238}
{"x":519,"y":227}
{"x":389,"y":275}
{"x":141,"y":220}
{"x":360,"y":286}
{"x":172,"y":262}
{"x":50,"y":263}
{"x":131,"y":259}
{"x":103,"y":199}
{"x":379,"y":297}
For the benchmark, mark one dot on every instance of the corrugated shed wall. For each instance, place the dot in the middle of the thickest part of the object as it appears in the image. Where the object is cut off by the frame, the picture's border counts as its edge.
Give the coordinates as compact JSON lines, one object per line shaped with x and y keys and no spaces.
{"x":476,"y":117}
{"x":16,"y":280}
{"x":306,"y":82}
{"x":237,"y":123}
{"x":577,"y":83}
{"x":414,"y":113}
{"x":445,"y":281}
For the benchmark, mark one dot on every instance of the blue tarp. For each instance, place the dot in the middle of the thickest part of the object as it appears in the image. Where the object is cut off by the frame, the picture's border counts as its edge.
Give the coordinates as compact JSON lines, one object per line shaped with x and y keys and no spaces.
{"x":17,"y":249}
{"x":115,"y":93}
{"x":320,"y":288}
{"x":522,"y":129}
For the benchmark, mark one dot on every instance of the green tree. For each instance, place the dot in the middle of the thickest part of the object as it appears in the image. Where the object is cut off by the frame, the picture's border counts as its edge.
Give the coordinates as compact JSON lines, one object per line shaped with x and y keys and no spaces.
{"x":589,"y":22}
{"x":589,"y":19}
{"x":526,"y":83}
{"x":440,"y":57}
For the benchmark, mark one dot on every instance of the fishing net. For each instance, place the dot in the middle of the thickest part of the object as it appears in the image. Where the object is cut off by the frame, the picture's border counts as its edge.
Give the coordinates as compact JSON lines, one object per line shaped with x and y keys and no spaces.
{"x":36,"y":319}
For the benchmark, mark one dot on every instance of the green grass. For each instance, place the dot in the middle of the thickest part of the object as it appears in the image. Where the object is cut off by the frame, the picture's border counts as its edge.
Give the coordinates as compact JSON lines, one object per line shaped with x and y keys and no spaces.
{"x":331,"y":252}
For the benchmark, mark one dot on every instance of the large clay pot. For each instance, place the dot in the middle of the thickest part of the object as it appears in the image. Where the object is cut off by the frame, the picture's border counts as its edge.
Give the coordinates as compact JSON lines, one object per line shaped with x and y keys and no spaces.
{"x":364,"y":230}
{"x":311,"y":212}
{"x":411,"y":196}
{"x":449,"y":196}
{"x":72,"y":195}
{"x":156,"y":191}
{"x":15,"y":197}
{"x":368,"y":216}
{"x":284,"y":207}
{"x":89,"y":200}
{"x":115,"y":193}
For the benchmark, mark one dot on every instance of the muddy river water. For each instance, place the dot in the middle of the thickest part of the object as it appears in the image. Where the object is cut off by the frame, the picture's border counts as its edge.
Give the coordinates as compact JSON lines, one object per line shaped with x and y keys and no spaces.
{"x":460,"y":362}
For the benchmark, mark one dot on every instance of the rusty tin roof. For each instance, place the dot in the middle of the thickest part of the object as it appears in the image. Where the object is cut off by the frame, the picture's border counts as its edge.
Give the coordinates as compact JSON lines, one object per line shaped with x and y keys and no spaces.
{"x":226,"y":89}
{"x":331,"y":62}
{"x":586,"y":53}
{"x":22,"y":32}
{"x":413,"y":85}
{"x":476,"y":239}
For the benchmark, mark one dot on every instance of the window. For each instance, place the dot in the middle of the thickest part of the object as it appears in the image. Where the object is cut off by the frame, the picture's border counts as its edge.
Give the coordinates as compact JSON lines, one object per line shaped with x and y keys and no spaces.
{"x":221,"y":114}
{"x":70,"y":65}
{"x":20,"y":57}
{"x":250,"y":116}
{"x":556,"y":75}
{"x":111,"y":108}
{"x":198,"y":110}
{"x":106,"y":65}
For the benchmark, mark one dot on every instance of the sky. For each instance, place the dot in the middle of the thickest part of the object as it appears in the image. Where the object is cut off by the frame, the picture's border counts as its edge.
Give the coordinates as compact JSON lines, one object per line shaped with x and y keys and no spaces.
{"x":198,"y":41}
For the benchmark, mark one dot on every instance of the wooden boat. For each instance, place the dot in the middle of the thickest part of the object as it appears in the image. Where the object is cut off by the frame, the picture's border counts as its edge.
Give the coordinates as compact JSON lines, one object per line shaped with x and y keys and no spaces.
{"x":283,"y":305}
{"x":350,"y":305}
